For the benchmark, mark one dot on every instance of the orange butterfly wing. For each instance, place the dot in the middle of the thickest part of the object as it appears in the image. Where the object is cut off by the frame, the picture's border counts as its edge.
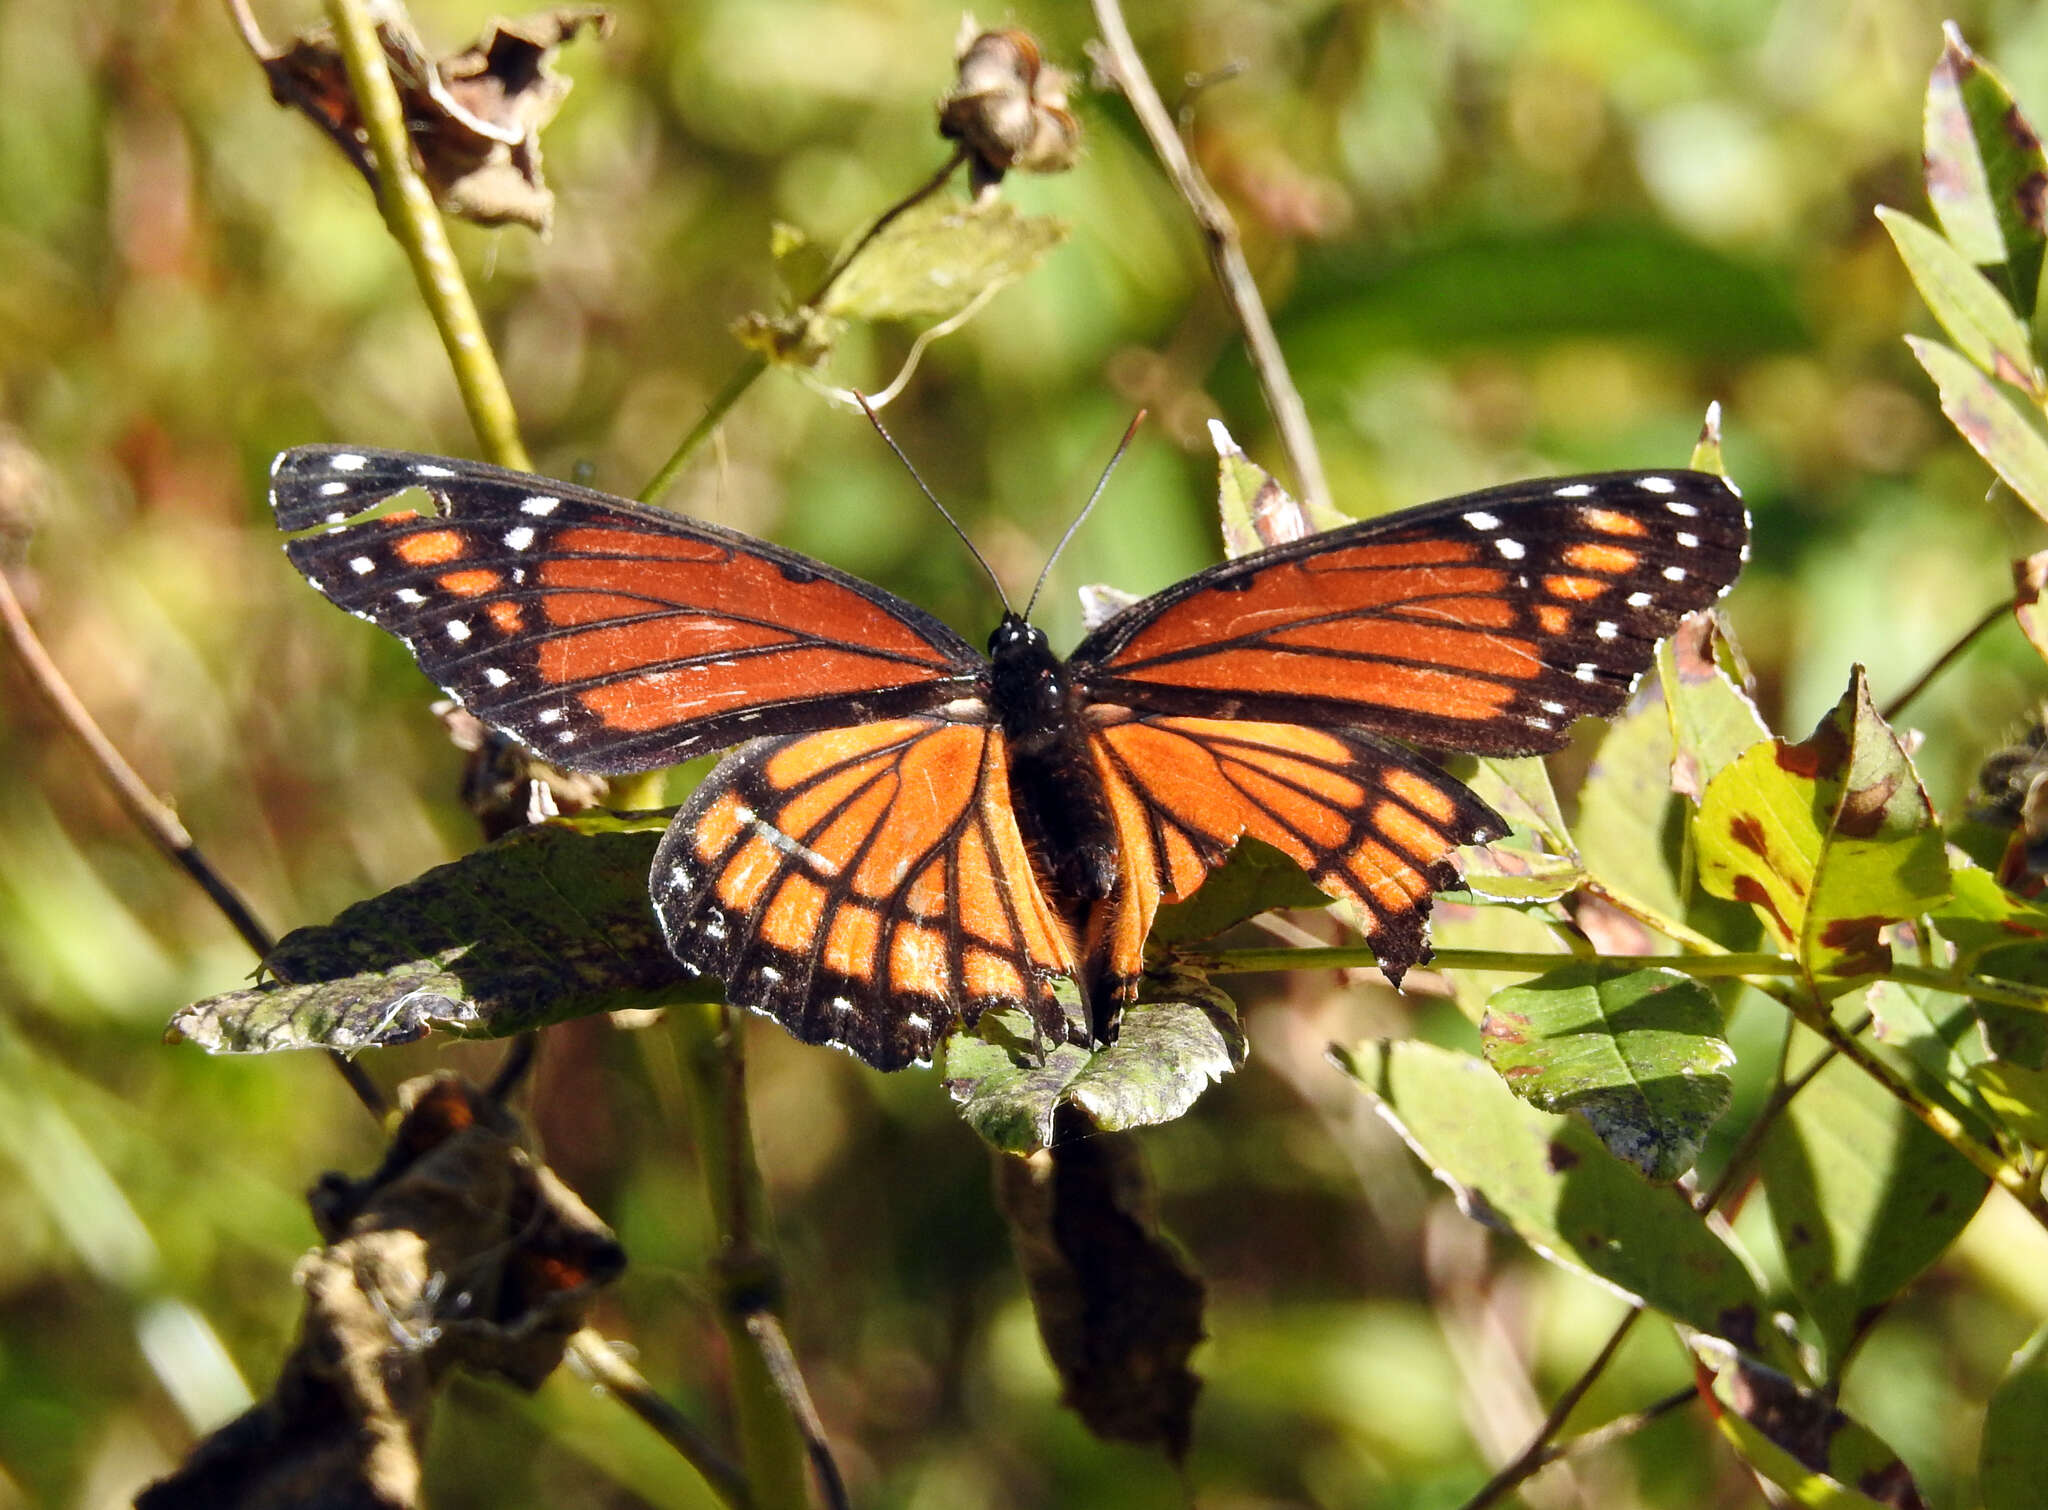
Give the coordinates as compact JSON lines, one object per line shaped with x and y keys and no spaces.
{"x":865,"y":886}
{"x":1364,"y":821}
{"x":607,"y":636}
{"x":1484,"y":624}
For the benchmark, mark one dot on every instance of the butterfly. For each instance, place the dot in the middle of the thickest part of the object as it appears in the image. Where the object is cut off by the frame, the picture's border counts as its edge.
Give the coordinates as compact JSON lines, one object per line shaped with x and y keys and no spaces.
{"x":911,"y":832}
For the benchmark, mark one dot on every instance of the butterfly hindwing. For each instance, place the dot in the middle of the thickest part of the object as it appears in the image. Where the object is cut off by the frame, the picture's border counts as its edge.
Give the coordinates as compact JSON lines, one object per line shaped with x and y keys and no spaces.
{"x":865,"y":886}
{"x":607,"y":636}
{"x":1364,"y":821}
{"x":1486,"y":623}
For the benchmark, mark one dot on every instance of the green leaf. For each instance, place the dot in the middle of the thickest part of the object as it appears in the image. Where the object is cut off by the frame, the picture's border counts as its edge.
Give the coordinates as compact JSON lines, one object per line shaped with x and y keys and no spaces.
{"x":1631,"y":827}
{"x":1987,"y":419}
{"x":1180,"y":1037}
{"x":1963,"y":300}
{"x":1548,"y":1180}
{"x":1935,"y":1034}
{"x":1255,"y":878}
{"x":1256,"y":511}
{"x":938,"y":257}
{"x":2012,"y":1462}
{"x":1536,"y":862}
{"x":1985,"y":172}
{"x":1636,"y":1053}
{"x":549,"y":923}
{"x":1863,"y":1197}
{"x":1713,"y":719}
{"x":1800,"y":1440}
{"x":1830,"y":840}
{"x":1981,"y":916}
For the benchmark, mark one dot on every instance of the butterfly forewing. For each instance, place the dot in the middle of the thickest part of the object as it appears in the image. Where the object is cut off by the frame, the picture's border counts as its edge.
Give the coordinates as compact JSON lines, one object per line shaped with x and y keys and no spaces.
{"x":866,"y":886}
{"x":1484,"y":624}
{"x":609,"y":637}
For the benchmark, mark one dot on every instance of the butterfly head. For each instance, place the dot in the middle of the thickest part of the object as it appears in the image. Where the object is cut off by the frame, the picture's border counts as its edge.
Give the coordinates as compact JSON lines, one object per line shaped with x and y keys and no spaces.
{"x":1028,"y":682}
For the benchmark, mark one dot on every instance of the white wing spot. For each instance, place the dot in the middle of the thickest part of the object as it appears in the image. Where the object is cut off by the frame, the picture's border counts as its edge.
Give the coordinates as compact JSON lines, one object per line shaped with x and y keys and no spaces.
{"x":1687,"y":539}
{"x":1656,"y":484}
{"x":1640,"y":600}
{"x":714,"y":927}
{"x":566,"y":737}
{"x":519,"y":539}
{"x":1607,"y":629}
{"x":771,"y":975}
{"x":1682,"y":510}
{"x":1536,"y":723}
{"x":1479,"y":519}
{"x":362,"y":566}
{"x":410,"y":595}
{"x":917,"y":1022}
{"x":428,"y":469}
{"x":276,"y":462}
{"x":1514,"y":550}
{"x":496,"y":677}
{"x":334,"y":518}
{"x":1576,"y":490}
{"x":841,"y":1004}
{"x":540,"y":504}
{"x":550,"y":715}
{"x":330,"y":489}
{"x":1550,"y":707}
{"x":458,"y":631}
{"x":347,"y":461}
{"x":1674,"y":574}
{"x":1585,"y":671}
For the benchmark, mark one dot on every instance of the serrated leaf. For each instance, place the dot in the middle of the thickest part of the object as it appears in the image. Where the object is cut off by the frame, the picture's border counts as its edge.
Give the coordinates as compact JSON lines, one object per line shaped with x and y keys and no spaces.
{"x":1830,"y":840}
{"x":2012,"y":1462}
{"x":1549,"y":1181}
{"x":935,"y":259}
{"x":1974,"y":314}
{"x":1988,"y":420}
{"x":1256,"y":511}
{"x":1986,"y":176}
{"x":1178,"y":1039}
{"x":1799,"y":1439}
{"x":1638,"y":1054}
{"x":548,"y":923}
{"x":1863,"y":1196}
{"x":1255,"y":878}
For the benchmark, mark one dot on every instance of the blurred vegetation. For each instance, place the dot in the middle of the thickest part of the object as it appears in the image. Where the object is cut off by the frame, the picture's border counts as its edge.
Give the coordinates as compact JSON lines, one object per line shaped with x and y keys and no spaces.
{"x":1498,"y":238}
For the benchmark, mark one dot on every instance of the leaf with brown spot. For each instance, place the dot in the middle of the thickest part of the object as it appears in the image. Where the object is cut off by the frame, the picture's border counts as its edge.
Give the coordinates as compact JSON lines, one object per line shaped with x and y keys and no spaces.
{"x":1832,"y":839}
{"x":1985,"y":169}
{"x":1798,"y":1439}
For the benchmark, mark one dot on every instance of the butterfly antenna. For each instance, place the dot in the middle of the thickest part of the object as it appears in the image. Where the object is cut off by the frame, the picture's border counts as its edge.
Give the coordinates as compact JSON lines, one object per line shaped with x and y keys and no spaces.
{"x":1082,"y":517}
{"x":944,"y":513}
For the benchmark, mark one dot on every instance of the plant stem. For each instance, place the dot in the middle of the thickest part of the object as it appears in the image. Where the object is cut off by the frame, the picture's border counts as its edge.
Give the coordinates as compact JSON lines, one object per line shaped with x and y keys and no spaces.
{"x":1118,"y":58}
{"x":148,"y":812}
{"x":415,"y":223}
{"x":619,"y":1379}
{"x":1356,"y":956}
{"x":714,"y":412}
{"x":746,"y":1272}
{"x":1946,"y":659}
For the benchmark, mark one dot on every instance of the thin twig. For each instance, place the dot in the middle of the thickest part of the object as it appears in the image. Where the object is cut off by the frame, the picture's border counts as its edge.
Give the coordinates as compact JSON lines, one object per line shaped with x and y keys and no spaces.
{"x":755,"y":364}
{"x":1118,"y":58}
{"x":415,"y":224}
{"x":148,"y":812}
{"x":1532,"y":1457}
{"x":1946,"y":659}
{"x":768,"y":1335}
{"x":590,"y":1350}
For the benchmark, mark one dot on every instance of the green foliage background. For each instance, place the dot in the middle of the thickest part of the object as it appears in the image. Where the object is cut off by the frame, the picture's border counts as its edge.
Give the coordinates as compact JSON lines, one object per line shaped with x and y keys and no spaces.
{"x":1498,"y":238}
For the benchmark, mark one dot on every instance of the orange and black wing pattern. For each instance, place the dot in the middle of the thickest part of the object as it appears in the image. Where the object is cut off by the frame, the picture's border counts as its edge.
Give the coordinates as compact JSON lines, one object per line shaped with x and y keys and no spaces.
{"x":607,"y":636}
{"x":1363,"y":819}
{"x":1484,"y":624}
{"x":867,"y":886}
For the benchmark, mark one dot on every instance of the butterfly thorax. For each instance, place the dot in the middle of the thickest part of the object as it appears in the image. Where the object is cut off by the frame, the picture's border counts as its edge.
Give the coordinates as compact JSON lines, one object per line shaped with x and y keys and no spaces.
{"x":1061,"y":807}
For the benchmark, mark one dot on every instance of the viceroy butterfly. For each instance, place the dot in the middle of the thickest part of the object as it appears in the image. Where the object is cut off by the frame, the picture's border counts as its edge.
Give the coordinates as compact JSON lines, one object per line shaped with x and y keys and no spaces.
{"x":913,"y":833}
